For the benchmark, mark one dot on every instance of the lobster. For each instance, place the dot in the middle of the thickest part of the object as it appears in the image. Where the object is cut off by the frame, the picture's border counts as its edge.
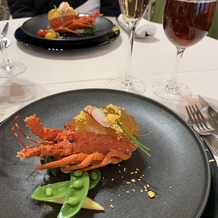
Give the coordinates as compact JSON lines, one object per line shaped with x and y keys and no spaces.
{"x":75,"y":148}
{"x":65,"y":19}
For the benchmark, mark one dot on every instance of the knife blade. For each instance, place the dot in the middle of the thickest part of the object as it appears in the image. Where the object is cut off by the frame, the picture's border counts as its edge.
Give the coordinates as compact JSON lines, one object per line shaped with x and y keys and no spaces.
{"x":212,"y":143}
{"x":125,"y":27}
{"x":5,"y":30}
{"x":211,"y":111}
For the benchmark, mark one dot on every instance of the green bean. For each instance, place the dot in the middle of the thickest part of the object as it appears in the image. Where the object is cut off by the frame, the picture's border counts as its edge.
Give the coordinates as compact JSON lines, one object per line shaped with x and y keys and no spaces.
{"x":76,"y":195}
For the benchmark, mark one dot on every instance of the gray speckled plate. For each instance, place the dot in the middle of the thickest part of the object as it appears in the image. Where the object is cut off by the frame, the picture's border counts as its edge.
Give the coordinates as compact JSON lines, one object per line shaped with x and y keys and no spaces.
{"x":177,"y":171}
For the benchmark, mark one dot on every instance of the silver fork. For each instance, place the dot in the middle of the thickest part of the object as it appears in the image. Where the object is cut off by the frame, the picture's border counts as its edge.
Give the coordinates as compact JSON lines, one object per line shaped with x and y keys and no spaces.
{"x":198,"y":121}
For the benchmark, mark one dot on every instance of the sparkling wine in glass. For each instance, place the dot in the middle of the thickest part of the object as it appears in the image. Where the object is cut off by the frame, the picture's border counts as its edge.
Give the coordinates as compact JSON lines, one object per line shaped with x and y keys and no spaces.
{"x":9,"y":68}
{"x":132,"y":11}
{"x":185,"y":23}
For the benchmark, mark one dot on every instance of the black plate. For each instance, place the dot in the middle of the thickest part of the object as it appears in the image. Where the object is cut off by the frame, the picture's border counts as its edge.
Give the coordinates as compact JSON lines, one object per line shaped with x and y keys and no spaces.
{"x":211,"y":210}
{"x":178,"y":169}
{"x":60,"y":46}
{"x":31,"y":26}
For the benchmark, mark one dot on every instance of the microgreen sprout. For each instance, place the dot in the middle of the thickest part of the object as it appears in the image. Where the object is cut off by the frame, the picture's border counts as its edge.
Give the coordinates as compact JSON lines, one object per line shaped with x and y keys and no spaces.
{"x":60,"y":14}
{"x":139,"y":144}
{"x":96,"y":105}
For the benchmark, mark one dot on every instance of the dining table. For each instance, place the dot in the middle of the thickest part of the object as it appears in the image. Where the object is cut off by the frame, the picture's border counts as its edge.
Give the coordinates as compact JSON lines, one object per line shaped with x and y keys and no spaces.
{"x":52,"y":71}
{"x":49,"y":71}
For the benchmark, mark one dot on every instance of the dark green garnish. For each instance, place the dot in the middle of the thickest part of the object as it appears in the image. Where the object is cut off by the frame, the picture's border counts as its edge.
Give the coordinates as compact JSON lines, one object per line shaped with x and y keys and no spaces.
{"x":89,"y":31}
{"x":54,"y":171}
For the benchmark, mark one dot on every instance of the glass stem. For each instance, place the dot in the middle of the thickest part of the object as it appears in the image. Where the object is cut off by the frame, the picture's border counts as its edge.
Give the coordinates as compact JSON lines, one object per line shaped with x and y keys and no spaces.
{"x":9,"y":68}
{"x":8,"y":65}
{"x":3,"y":50}
{"x":172,"y":86}
{"x":127,"y":82}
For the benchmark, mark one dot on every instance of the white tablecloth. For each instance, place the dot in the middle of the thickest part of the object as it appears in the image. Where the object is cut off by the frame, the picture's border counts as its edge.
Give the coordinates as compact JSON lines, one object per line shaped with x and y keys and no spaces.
{"x":153,"y":60}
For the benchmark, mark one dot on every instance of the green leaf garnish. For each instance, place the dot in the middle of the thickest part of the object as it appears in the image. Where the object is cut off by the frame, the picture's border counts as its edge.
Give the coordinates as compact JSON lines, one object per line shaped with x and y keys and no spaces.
{"x":53,"y":171}
{"x":89,"y":31}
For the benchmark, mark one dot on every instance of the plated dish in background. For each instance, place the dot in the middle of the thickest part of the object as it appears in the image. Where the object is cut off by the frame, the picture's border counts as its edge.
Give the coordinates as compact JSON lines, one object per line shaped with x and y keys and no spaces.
{"x":177,"y":167}
{"x":102,"y":27}
{"x":58,"y":45}
{"x":67,"y":29}
{"x":63,"y":22}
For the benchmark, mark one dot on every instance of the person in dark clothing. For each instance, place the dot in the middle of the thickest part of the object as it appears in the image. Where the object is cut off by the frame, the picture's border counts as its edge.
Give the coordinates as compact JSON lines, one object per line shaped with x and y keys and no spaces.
{"x":31,"y":8}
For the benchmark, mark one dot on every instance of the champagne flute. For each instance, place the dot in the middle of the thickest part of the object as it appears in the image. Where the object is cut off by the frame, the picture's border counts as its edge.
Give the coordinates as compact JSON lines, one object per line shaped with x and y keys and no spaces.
{"x":7,"y":67}
{"x":132,"y":11}
{"x":185,"y":23}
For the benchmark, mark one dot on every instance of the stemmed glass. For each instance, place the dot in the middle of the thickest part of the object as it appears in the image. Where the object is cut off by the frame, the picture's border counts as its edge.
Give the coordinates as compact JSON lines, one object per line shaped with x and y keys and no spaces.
{"x":132,"y":11}
{"x":185,"y":23}
{"x":7,"y":67}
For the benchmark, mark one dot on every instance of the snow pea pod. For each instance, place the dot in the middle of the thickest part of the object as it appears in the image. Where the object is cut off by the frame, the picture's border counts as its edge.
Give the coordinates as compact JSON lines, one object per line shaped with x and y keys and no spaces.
{"x":60,"y":189}
{"x":77,"y":192}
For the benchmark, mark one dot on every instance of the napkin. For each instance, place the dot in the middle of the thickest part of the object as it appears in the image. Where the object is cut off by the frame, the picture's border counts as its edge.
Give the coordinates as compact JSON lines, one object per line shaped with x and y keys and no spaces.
{"x":144,"y":28}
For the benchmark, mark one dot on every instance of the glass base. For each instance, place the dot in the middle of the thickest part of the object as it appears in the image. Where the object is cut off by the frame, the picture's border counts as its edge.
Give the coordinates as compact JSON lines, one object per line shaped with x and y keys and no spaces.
{"x":178,"y":93}
{"x":131,"y":85}
{"x":11,"y":69}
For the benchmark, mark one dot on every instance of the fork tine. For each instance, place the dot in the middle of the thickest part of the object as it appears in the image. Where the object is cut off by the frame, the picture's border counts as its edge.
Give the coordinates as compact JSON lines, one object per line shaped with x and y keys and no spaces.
{"x":197,"y":120}
{"x":196,"y":117}
{"x":189,"y":115}
{"x":192,"y":116}
{"x":201,"y":117}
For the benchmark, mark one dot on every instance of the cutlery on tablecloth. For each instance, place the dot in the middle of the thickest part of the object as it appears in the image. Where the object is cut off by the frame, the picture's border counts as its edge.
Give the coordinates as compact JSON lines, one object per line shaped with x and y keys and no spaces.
{"x":5,"y":30}
{"x":8,"y":68}
{"x":3,"y":34}
{"x":198,"y":122}
{"x":123,"y":26}
{"x":211,"y":143}
{"x":212,"y":113}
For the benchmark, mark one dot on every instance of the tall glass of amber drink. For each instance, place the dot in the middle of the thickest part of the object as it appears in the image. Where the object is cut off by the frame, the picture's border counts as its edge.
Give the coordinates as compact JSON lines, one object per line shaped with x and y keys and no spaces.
{"x":185,"y":23}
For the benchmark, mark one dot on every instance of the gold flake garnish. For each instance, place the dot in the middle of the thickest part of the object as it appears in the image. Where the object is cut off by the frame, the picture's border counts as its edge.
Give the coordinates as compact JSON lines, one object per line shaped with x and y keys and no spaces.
{"x":211,"y":160}
{"x":151,"y":194}
{"x":112,"y":206}
{"x":133,"y":180}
